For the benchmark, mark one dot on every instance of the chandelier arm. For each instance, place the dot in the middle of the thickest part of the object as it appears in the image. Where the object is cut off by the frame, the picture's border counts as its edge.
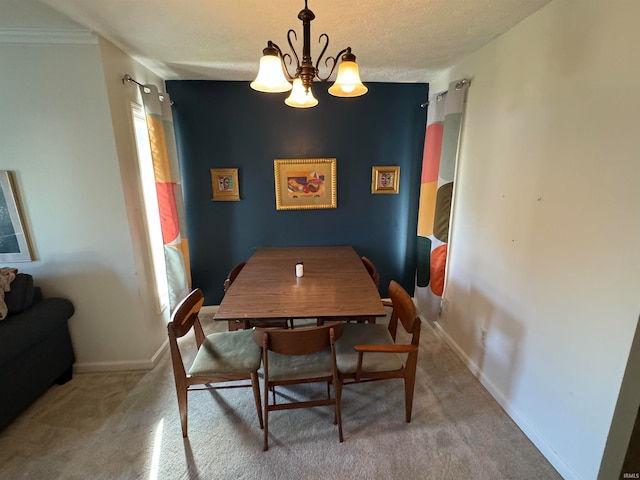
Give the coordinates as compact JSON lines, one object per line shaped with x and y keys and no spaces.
{"x":335,"y":62}
{"x":326,"y":44}
{"x":291,"y":30}
{"x":283,"y":58}
{"x":285,"y":68}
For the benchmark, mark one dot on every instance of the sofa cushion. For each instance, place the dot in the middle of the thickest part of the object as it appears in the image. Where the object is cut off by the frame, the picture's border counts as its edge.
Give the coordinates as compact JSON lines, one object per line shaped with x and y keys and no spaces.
{"x":29,"y":328}
{"x":21,"y":295}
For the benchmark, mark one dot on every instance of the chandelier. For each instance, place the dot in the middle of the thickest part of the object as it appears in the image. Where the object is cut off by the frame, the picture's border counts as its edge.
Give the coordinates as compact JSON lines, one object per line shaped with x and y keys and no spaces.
{"x":274,"y":77}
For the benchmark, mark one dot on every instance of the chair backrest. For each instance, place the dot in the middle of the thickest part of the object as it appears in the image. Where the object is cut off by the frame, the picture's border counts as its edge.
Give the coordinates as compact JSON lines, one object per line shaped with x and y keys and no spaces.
{"x":232,"y":275}
{"x":186,"y":313}
{"x":404,"y":310}
{"x":298,"y":341}
{"x":371,"y":268}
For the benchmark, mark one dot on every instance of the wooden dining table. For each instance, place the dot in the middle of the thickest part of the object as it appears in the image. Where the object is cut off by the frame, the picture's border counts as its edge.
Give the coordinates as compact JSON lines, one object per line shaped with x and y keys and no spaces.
{"x":335,"y":283}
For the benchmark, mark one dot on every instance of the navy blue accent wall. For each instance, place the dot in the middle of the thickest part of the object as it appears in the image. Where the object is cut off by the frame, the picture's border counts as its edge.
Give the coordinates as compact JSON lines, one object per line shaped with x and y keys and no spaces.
{"x":228,"y":125}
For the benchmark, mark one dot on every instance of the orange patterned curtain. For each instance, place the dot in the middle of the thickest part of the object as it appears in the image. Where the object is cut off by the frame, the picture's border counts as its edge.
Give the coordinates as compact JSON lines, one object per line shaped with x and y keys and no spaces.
{"x":157,"y":109}
{"x":444,"y":120}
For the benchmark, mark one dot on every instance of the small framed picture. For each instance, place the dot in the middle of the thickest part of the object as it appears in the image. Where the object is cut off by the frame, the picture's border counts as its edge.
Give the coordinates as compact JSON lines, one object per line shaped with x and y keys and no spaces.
{"x":224,"y":182}
{"x":385,"y":179}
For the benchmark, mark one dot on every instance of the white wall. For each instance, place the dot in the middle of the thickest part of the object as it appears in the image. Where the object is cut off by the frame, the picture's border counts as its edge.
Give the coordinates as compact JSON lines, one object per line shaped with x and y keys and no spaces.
{"x":544,"y":245}
{"x":57,"y":134}
{"x":116,"y":64}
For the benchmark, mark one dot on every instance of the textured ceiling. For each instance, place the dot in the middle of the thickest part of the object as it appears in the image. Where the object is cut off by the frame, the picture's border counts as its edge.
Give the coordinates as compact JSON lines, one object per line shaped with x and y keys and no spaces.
{"x":394,"y":40}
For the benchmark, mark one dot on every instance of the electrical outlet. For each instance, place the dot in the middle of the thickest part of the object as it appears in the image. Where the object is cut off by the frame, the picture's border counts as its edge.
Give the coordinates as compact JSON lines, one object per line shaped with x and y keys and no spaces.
{"x":483,"y":336}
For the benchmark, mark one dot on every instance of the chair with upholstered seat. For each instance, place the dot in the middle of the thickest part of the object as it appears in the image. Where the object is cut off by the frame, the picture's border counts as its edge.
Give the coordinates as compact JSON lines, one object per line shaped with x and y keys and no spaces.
{"x":303,"y":355}
{"x":246,"y":323}
{"x":232,"y":275}
{"x":368,"y":352}
{"x":371,"y":268}
{"x":221,"y":357}
{"x":375,"y":277}
{"x":233,"y":324}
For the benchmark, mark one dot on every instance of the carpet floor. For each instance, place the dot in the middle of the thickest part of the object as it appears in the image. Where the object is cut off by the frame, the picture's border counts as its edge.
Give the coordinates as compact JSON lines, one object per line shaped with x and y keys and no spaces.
{"x":126,"y":426}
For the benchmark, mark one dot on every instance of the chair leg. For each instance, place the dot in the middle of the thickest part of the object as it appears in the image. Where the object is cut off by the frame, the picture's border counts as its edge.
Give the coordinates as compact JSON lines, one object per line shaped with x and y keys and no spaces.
{"x":232,"y":325}
{"x":266,"y":417}
{"x":409,"y":383}
{"x":337,"y":387}
{"x":256,"y":395}
{"x":182,"y":407}
{"x":335,"y":413}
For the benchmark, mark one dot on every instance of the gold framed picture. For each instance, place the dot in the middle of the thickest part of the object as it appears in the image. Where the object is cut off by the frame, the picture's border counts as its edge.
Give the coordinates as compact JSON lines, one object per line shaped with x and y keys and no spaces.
{"x":305,"y":183}
{"x":224,"y":182}
{"x":385,"y":179}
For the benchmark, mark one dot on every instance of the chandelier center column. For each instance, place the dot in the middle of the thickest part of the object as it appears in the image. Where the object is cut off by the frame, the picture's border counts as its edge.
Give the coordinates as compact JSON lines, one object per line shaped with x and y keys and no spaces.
{"x":307,"y":70}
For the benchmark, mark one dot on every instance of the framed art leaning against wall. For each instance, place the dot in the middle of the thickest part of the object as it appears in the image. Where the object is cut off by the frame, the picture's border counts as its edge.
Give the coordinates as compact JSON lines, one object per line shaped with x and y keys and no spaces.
{"x":14,"y":245}
{"x":305,"y":183}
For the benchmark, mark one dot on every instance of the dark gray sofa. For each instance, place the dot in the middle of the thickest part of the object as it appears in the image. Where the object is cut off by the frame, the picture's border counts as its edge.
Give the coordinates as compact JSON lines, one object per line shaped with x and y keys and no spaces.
{"x":35,"y":346}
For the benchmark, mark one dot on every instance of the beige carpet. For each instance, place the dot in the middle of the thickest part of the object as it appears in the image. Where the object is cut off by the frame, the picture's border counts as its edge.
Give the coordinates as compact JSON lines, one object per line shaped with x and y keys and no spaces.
{"x":126,"y":426}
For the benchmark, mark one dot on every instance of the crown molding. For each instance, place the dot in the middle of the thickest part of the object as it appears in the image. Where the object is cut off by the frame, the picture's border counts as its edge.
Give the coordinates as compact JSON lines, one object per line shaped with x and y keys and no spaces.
{"x":43,"y":36}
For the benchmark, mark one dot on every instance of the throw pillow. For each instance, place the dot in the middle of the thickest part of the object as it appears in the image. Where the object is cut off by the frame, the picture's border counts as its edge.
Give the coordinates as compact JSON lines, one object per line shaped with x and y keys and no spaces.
{"x":21,"y":295}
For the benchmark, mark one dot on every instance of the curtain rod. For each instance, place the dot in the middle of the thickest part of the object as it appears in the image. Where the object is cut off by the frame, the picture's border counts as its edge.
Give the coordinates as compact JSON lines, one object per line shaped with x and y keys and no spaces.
{"x":459,"y":86}
{"x":129,"y":78}
{"x":145,"y":89}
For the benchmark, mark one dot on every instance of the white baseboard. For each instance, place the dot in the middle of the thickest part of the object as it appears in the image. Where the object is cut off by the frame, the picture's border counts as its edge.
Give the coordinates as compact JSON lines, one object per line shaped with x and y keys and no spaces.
{"x":520,"y":420}
{"x":122,"y":366}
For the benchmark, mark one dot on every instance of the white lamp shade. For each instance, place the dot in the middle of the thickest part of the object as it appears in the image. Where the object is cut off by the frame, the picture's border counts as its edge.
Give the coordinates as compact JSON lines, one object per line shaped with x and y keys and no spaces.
{"x":299,"y":98}
{"x":348,"y":82}
{"x":270,"y":77}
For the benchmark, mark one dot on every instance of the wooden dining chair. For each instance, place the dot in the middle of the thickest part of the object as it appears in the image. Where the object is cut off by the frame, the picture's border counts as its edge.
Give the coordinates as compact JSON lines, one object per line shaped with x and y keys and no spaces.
{"x":375,"y":277}
{"x":368,"y":352}
{"x":248,"y":323}
{"x":221,"y":357}
{"x":233,"y":324}
{"x":232,"y":275}
{"x":371,"y":268}
{"x":303,"y":355}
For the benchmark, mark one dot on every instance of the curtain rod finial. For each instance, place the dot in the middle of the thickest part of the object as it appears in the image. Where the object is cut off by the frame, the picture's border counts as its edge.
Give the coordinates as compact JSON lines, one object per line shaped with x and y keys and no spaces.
{"x":462,"y":83}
